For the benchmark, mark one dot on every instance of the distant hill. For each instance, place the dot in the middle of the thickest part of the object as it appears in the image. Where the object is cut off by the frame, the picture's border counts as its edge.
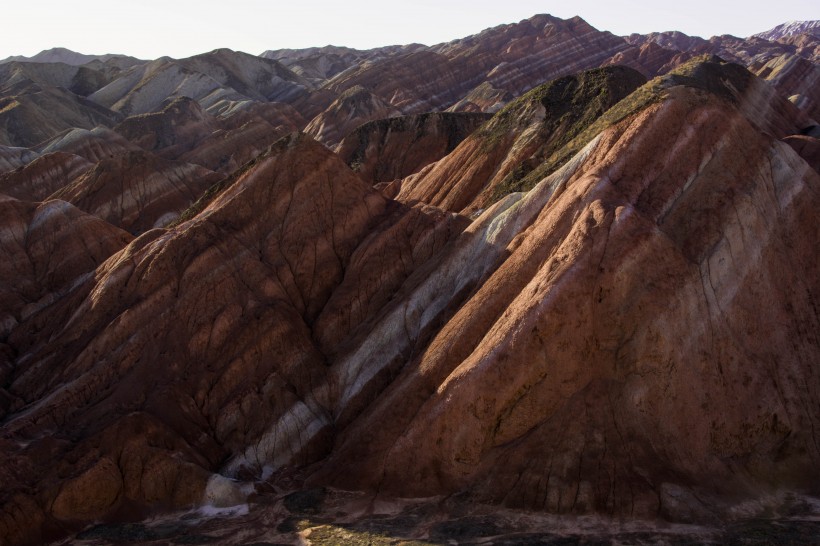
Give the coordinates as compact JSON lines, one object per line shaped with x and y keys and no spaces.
{"x":791,"y":28}
{"x":63,"y":55}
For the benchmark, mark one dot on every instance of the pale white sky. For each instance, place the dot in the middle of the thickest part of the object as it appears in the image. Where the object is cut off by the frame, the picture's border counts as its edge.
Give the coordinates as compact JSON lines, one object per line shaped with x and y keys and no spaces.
{"x":180,"y":28}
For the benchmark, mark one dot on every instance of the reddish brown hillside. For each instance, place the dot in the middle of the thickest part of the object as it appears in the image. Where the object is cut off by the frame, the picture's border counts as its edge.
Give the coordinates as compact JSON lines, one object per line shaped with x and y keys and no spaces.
{"x":389,"y":149}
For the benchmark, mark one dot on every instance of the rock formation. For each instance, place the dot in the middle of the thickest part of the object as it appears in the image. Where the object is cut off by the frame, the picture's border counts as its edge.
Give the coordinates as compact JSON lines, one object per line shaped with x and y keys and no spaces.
{"x":806,"y":147}
{"x":568,"y":381}
{"x":602,"y":299}
{"x":261,"y":265}
{"x":796,"y":78}
{"x":12,"y":157}
{"x":513,"y":58}
{"x":68,"y":57}
{"x":93,"y":145}
{"x":48,"y":248}
{"x":320,"y":64}
{"x":183,"y":131}
{"x":484,"y":98}
{"x":38,"y":114}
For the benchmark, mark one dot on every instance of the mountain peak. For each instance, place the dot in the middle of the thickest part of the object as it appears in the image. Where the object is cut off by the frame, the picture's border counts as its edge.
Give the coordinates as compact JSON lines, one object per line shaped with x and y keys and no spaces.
{"x":790,"y":28}
{"x":62,"y":55}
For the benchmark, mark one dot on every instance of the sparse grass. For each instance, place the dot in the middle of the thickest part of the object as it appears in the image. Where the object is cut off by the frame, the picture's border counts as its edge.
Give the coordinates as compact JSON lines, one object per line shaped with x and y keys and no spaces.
{"x":707,"y":73}
{"x":637,"y":101}
{"x":572,"y":105}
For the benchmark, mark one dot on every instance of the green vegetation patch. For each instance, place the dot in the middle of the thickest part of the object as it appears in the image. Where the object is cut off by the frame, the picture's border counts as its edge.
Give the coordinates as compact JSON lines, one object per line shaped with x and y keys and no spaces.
{"x":708,"y":73}
{"x":572,"y":105}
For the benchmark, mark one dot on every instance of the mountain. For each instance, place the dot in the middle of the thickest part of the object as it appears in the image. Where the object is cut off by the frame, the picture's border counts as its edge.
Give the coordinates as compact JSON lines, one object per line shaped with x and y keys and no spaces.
{"x":390,"y":149}
{"x":787,"y":61}
{"x":556,"y":385}
{"x":216,"y":79}
{"x":353,"y":107}
{"x":796,"y":78}
{"x":43,"y":176}
{"x":792,"y":28}
{"x":182,"y":130}
{"x":514,"y":58}
{"x":66,"y":56}
{"x":39,"y":114}
{"x":296,"y":299}
{"x":137,"y":191}
{"x":322,"y":63}
{"x":498,"y":157}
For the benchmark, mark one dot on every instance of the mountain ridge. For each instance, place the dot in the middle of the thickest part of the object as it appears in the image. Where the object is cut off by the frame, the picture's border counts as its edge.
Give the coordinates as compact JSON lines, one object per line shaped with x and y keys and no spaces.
{"x":538,"y":270}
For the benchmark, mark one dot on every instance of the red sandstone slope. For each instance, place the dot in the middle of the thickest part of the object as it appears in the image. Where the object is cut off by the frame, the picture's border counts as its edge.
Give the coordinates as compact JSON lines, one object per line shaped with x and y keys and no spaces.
{"x":183,"y":130}
{"x":635,"y":335}
{"x":632,"y":330}
{"x":492,"y":160}
{"x":513,"y":58}
{"x":103,"y":174}
{"x":43,"y":176}
{"x":353,"y":108}
{"x":641,"y":337}
{"x":47,"y":248}
{"x":138,"y":191}
{"x":191,"y":342}
{"x":520,"y":56}
{"x":796,"y":79}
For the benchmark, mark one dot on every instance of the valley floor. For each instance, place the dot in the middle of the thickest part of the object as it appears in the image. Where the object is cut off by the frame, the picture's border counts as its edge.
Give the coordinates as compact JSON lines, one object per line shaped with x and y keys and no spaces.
{"x":332,"y":517}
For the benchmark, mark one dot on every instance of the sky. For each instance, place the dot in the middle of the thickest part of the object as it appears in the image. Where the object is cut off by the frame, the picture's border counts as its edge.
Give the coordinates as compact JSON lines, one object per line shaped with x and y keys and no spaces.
{"x":180,"y":28}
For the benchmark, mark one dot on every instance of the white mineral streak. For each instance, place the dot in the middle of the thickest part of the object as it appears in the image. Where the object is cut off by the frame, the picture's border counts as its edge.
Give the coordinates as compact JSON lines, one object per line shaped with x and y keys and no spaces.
{"x":477,"y":253}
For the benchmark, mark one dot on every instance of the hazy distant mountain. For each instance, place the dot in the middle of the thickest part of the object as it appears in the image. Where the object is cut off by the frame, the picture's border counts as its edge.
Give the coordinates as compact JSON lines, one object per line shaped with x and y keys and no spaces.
{"x":216,"y":79}
{"x":63,"y":55}
{"x":791,"y":28}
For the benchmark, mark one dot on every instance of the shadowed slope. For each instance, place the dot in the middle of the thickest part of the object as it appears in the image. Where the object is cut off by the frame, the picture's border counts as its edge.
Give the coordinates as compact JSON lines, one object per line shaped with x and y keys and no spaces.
{"x":138,"y":191}
{"x":389,"y":149}
{"x":296,"y":238}
{"x":38,"y":114}
{"x":183,"y":130}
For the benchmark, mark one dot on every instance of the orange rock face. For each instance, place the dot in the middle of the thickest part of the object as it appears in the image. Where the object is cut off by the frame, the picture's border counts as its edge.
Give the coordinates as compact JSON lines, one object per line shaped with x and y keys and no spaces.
{"x":626,"y":348}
